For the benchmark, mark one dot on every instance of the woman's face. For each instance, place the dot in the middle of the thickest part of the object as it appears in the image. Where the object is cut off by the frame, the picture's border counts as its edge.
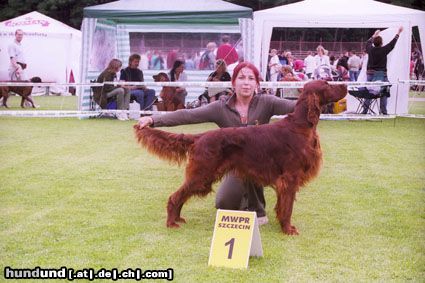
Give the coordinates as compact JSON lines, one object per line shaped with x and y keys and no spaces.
{"x":180,"y":69}
{"x":221,"y":68}
{"x":117,"y":68}
{"x":245,"y":83}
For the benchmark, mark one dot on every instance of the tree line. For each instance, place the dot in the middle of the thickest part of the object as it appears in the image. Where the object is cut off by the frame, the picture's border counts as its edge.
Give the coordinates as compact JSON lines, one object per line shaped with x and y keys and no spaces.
{"x":70,"y":12}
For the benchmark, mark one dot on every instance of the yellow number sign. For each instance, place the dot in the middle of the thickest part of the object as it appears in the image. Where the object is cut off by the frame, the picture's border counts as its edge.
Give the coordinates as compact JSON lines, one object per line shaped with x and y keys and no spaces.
{"x":236,"y":237}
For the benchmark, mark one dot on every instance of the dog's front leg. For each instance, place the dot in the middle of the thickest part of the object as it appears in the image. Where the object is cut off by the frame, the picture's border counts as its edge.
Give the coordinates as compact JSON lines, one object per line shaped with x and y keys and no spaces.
{"x":285,"y":202}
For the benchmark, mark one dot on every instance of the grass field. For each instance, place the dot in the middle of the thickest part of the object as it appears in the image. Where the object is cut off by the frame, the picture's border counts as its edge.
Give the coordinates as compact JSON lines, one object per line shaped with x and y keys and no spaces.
{"x":83,"y":194}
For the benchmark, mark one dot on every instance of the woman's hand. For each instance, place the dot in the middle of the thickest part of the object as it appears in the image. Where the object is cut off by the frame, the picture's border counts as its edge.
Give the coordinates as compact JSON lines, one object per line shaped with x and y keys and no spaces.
{"x":376,"y":33}
{"x":400,"y":29}
{"x":144,"y":122}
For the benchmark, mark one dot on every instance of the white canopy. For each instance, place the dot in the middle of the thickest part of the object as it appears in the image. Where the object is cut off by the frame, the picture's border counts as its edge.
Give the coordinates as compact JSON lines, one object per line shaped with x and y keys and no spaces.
{"x":346,"y":14}
{"x":51,"y":48}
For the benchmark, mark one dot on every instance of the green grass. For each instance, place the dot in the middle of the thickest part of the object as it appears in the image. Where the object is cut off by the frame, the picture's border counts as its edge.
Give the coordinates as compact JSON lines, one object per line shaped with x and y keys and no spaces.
{"x":83,"y":194}
{"x":45,"y":103}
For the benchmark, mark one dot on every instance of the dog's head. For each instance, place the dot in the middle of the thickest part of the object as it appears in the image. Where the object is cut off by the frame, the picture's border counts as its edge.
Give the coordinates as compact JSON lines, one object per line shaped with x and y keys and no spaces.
{"x":35,"y":80}
{"x":319,"y":93}
{"x":324,"y":92}
{"x":161,"y":77}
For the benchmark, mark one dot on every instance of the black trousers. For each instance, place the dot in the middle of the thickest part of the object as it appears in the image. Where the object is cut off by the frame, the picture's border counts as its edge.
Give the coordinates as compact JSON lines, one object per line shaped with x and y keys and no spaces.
{"x":237,"y":194}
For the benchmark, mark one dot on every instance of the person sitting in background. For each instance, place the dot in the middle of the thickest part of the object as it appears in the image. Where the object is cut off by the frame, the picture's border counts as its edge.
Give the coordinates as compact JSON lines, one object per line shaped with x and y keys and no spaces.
{"x":108,"y":93}
{"x":298,"y":69}
{"x":219,"y":75}
{"x":177,"y":74}
{"x":289,"y":76}
{"x":141,"y":94}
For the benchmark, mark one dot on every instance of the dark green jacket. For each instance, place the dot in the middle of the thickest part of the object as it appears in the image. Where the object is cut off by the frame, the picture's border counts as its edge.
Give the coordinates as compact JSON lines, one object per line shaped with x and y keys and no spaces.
{"x":224,"y":114}
{"x":99,"y":93}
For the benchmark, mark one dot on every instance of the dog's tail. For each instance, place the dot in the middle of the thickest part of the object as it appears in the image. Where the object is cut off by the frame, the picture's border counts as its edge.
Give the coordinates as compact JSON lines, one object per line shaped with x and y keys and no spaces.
{"x":168,"y":146}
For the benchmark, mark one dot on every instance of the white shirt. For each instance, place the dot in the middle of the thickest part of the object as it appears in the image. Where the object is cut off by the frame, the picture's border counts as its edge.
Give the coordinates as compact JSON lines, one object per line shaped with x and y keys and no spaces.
{"x":310,"y":64}
{"x":274,"y":60}
{"x":182,"y":77}
{"x":15,"y":50}
{"x":354,"y":63}
{"x":322,"y":60}
{"x":144,"y":62}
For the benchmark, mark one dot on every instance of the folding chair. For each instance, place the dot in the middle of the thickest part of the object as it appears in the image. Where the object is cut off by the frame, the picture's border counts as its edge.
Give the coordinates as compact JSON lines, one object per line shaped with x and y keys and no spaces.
{"x":363,"y":93}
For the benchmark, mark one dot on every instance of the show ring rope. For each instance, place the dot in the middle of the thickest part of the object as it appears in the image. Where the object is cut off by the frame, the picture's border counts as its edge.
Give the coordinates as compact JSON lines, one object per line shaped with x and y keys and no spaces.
{"x":96,"y":113}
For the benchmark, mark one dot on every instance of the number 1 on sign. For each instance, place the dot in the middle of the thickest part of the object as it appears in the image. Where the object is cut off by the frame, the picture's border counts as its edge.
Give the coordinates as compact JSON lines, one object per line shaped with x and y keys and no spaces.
{"x":230,"y":243}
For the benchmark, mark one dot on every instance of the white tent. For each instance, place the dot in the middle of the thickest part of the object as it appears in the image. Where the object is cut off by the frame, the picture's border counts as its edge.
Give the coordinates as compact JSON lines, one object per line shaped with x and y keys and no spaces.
{"x":51,"y":48}
{"x":347,"y":14}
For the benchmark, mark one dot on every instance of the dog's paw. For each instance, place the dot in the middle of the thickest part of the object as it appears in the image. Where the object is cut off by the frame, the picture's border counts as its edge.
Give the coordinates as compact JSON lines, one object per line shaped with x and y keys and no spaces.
{"x":180,"y":219}
{"x":173,"y":225}
{"x":290,"y":230}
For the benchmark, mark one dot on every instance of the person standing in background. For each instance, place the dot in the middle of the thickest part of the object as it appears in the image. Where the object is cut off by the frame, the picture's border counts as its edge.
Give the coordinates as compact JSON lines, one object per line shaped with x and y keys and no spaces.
{"x":377,"y":66}
{"x":226,"y":51}
{"x":274,"y":65}
{"x":354,"y":63}
{"x":17,"y":59}
{"x":310,"y":64}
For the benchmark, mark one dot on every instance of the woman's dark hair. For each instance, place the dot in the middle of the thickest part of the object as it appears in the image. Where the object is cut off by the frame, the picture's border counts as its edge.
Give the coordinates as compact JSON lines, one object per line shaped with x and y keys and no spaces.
{"x":377,"y":41}
{"x":177,"y":64}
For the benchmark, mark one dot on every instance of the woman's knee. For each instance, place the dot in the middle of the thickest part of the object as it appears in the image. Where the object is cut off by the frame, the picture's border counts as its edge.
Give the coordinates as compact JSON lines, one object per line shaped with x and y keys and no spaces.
{"x":230,"y":194}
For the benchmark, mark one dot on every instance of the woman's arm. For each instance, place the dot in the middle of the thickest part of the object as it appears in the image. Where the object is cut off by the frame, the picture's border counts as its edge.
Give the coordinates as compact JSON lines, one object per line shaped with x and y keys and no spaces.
{"x":281,"y":106}
{"x":208,"y":113}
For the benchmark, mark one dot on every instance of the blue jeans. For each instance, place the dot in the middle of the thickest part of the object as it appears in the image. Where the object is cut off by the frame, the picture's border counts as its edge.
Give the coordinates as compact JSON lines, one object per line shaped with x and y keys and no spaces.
{"x":145,"y":97}
{"x":353,"y":75}
{"x":373,"y":76}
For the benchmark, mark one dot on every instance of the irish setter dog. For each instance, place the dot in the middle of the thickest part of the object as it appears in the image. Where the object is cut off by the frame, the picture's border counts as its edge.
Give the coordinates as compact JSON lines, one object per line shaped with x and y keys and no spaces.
{"x":284,"y":155}
{"x":168,"y":95}
{"x":24,"y":91}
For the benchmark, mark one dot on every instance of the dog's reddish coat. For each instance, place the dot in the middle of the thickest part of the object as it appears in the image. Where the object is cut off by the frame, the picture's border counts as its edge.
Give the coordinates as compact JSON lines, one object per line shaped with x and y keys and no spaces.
{"x":168,"y":95}
{"x":285,"y":154}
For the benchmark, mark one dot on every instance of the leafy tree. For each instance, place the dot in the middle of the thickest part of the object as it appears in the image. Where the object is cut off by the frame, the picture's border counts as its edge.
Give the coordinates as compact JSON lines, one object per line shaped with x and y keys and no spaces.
{"x":69,"y":12}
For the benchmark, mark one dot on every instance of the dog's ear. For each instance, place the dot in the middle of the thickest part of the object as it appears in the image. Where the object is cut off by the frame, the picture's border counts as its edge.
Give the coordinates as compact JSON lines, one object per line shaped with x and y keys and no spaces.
{"x":313,"y":108}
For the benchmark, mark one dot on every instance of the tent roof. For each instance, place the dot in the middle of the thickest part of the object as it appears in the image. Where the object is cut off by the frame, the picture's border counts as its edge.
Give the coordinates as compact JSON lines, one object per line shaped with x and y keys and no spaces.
{"x":37,"y":22}
{"x":343,"y":10}
{"x":202,"y":11}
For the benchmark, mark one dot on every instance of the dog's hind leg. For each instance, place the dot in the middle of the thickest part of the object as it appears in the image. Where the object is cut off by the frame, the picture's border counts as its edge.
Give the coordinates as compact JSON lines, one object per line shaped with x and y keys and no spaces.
{"x":29,"y":100}
{"x":285,"y":190}
{"x":5,"y":97}
{"x":176,"y":201}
